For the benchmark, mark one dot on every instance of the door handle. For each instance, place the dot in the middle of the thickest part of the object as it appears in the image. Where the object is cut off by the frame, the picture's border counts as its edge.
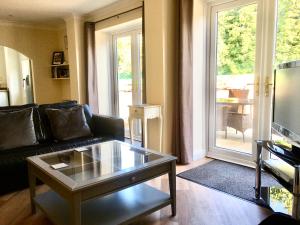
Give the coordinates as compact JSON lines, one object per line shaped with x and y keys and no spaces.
{"x":268,"y":84}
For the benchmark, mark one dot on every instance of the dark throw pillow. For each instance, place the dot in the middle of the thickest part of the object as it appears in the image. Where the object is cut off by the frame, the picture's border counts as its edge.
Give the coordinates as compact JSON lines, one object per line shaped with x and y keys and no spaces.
{"x":36,"y":117}
{"x":68,"y":123}
{"x":17,"y":129}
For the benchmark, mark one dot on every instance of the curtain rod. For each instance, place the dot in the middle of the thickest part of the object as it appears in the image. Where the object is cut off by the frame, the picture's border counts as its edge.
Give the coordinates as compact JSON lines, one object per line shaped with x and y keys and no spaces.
{"x":98,"y":21}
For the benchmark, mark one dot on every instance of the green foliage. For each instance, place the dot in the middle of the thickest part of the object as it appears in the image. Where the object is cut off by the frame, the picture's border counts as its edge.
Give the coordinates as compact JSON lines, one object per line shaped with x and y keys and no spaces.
{"x":237,"y":37}
{"x":124,"y":57}
{"x":288,"y":31}
{"x":125,"y":75}
{"x":236,"y":40}
{"x":282,"y":195}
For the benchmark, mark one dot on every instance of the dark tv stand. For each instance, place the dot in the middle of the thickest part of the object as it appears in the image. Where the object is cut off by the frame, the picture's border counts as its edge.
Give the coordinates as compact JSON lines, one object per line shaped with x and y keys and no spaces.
{"x":289,"y":157}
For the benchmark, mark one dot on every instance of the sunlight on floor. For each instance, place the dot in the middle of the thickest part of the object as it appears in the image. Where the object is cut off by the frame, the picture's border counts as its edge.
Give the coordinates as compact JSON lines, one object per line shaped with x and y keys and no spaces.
{"x":234,"y":141}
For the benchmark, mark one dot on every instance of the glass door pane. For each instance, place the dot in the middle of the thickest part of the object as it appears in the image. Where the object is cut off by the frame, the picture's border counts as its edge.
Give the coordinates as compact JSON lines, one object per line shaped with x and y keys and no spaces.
{"x":140,"y":69}
{"x":129,"y":77}
{"x":124,"y":78}
{"x":138,"y":82}
{"x":288,"y":31}
{"x":235,"y":66}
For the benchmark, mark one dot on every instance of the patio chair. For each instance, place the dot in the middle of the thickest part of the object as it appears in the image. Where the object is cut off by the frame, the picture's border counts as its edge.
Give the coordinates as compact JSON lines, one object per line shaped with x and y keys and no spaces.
{"x":235,"y":115}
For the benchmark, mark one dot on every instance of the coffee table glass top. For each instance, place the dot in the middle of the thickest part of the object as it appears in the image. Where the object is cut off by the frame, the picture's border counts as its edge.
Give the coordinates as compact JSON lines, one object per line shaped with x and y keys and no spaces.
{"x":81,"y":166}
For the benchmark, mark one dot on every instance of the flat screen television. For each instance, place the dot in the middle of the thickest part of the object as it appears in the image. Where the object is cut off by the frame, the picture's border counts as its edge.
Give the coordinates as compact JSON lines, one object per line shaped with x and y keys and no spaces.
{"x":286,"y":103}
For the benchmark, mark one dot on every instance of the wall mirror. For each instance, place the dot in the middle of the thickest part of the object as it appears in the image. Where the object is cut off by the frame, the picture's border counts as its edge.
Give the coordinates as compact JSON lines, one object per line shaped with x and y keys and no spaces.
{"x":15,"y":78}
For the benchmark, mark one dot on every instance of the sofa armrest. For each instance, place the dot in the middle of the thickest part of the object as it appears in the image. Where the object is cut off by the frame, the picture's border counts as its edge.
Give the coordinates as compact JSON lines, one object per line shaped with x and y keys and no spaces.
{"x":108,"y":126}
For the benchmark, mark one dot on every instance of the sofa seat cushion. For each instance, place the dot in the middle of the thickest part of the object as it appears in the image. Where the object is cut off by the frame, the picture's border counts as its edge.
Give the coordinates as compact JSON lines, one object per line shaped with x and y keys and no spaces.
{"x":17,"y":129}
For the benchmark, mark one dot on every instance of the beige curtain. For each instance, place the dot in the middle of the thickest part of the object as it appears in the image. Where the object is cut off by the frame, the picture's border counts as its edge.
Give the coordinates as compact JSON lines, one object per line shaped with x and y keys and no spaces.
{"x":91,"y":71}
{"x":183,"y":118}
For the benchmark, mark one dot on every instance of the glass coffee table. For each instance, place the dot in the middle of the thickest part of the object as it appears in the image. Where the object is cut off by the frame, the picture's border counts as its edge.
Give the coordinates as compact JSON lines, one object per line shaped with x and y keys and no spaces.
{"x":101,"y":184}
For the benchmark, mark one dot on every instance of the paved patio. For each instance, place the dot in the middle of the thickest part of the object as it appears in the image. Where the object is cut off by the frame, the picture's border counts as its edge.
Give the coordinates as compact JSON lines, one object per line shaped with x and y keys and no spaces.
{"x":234,"y":141}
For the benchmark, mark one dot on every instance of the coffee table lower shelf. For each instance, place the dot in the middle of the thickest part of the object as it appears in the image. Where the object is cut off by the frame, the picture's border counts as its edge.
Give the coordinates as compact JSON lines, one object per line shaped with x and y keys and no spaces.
{"x":121,"y":207}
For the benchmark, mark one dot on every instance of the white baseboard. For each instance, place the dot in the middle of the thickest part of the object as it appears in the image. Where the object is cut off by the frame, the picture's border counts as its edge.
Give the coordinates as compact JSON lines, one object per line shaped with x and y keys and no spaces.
{"x":199,"y":154}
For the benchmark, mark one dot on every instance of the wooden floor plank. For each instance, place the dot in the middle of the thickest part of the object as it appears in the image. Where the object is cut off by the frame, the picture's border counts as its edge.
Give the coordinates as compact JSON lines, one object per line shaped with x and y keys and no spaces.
{"x":196,"y":205}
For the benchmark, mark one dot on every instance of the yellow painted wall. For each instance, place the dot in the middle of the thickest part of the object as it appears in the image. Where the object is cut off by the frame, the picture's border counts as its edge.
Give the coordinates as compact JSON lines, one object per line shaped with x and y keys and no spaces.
{"x":154,"y":65}
{"x":170,"y":69}
{"x":161,"y":65}
{"x":65,"y":84}
{"x":75,"y":33}
{"x":37,"y":44}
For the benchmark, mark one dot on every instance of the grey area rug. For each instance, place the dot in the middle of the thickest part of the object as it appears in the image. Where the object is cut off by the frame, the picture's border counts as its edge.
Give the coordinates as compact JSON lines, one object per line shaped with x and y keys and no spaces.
{"x":229,"y":178}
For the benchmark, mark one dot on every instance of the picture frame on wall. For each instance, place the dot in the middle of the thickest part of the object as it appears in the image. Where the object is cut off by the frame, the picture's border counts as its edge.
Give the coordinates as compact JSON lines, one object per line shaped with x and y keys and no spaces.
{"x":58,"y":58}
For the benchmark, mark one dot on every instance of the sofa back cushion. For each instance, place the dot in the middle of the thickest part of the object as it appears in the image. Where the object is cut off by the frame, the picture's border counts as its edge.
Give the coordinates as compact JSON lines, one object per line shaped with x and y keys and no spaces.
{"x":40,"y":119}
{"x":36,"y":117}
{"x":17,"y":129}
{"x":45,"y":123}
{"x":67,"y":124}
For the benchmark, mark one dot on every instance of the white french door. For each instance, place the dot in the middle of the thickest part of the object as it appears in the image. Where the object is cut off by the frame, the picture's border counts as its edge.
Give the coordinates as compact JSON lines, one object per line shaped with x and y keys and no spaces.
{"x":241,"y":65}
{"x":127,"y":52}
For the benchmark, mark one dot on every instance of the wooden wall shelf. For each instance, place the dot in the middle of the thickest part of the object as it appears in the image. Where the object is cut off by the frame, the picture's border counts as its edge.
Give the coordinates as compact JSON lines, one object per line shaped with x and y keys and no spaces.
{"x":62,"y":78}
{"x":60,"y":71}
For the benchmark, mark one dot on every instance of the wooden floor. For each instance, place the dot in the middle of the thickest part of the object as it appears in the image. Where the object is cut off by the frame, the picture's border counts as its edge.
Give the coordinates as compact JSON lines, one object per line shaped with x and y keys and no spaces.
{"x":196,"y":205}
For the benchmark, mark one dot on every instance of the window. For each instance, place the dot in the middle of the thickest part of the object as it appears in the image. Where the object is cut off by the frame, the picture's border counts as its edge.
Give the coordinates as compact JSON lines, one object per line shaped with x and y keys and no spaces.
{"x":288,"y":31}
{"x":128,"y":75}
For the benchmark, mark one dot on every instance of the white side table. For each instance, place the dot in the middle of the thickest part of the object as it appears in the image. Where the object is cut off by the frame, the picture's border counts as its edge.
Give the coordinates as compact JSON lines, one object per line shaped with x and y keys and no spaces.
{"x":145,"y":112}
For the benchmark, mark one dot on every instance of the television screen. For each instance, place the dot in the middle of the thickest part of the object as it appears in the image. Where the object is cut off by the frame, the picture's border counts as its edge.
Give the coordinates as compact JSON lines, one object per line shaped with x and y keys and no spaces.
{"x":286,"y":105}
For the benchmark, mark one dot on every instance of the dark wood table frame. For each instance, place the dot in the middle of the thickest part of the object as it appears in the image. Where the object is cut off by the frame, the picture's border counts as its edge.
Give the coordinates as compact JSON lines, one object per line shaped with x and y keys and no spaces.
{"x":114,"y":184}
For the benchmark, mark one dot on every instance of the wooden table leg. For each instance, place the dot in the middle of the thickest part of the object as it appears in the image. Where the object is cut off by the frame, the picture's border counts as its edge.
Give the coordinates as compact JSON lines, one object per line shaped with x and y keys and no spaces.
{"x":145,"y":132}
{"x":172,"y":185}
{"x":32,"y":185}
{"x":75,"y":210}
{"x":160,"y":132}
{"x":130,"y":123}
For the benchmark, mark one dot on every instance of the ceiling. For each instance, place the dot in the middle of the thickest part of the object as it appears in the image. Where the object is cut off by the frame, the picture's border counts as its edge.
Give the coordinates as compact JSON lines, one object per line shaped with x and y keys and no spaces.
{"x":47,"y":11}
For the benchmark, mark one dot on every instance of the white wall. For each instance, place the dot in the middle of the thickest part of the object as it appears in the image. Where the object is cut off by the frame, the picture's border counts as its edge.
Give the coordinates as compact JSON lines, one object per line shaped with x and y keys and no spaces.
{"x":14,"y":76}
{"x":104,"y":68}
{"x":2,"y":68}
